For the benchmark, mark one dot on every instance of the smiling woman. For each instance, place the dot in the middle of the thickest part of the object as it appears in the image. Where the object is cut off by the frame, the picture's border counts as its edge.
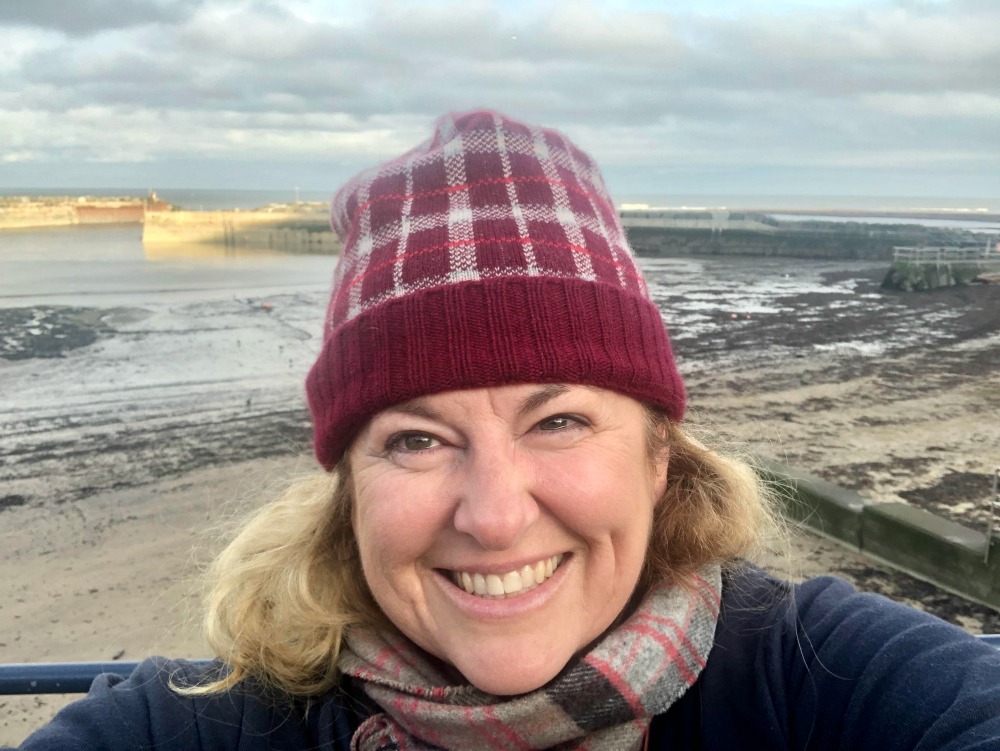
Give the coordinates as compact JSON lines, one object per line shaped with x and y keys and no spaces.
{"x":489,"y":490}
{"x":515,"y":543}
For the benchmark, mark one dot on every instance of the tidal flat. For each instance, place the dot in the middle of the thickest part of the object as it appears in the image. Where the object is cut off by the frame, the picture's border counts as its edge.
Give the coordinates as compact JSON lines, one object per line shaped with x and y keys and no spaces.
{"x":145,"y":404}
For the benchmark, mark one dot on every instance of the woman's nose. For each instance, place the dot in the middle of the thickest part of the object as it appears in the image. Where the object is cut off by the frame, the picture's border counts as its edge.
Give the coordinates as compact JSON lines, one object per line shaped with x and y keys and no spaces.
{"x":496,"y":504}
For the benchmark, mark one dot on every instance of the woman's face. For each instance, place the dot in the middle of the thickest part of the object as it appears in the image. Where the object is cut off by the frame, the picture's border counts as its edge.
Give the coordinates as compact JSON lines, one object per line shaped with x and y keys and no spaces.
{"x":537,"y":498}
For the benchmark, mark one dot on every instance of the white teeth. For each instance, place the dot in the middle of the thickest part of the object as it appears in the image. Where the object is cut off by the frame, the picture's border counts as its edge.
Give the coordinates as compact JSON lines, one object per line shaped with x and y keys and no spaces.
{"x":493,"y":585}
{"x":513,"y":583}
{"x":527,"y":576}
{"x":539,"y":572}
{"x":478,"y":584}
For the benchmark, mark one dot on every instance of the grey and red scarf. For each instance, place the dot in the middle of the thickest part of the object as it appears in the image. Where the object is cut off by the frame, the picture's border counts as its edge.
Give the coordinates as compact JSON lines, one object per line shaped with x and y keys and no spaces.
{"x":606,"y":700}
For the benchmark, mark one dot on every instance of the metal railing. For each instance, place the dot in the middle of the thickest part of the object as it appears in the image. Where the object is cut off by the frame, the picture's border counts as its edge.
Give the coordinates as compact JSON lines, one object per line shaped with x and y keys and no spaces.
{"x":31,"y":678}
{"x":943,"y":255}
{"x":25,"y":678}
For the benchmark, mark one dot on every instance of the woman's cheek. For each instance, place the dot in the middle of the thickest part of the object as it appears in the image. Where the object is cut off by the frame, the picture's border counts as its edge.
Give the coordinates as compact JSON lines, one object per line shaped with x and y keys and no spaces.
{"x":396,"y":515}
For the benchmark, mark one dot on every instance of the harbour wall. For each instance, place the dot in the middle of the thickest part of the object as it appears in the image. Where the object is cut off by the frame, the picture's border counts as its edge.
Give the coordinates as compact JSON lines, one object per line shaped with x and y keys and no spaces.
{"x":284,"y":229}
{"x":54,"y":211}
{"x":304,"y":228}
{"x":688,"y":234}
{"x":821,"y":240}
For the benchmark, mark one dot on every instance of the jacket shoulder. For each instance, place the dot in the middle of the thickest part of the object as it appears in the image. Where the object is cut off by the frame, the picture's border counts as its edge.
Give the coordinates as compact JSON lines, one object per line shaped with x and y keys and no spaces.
{"x":820,"y":665}
{"x":144,"y":710}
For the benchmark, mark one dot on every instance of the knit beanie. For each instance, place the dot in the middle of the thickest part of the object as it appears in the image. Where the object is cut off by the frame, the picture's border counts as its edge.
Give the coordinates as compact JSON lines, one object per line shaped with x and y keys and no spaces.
{"x":490,"y":254}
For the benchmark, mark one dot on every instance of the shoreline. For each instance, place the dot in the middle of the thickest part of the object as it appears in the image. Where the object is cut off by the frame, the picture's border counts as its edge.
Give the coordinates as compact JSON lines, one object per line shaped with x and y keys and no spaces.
{"x":67,"y":209}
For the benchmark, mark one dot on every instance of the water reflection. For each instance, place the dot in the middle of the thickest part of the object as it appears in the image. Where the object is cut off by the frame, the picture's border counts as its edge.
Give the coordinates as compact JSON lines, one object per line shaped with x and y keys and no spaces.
{"x":108,"y":265}
{"x":160,"y":252}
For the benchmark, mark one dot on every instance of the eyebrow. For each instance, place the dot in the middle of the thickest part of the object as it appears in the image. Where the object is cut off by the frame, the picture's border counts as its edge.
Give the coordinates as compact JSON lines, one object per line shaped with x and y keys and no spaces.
{"x":542,"y":396}
{"x":534,"y":400}
{"x":416,"y":408}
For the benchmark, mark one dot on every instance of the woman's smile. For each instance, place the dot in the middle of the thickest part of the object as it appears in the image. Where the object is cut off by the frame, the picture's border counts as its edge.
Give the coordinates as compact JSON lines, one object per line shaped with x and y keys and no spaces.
{"x":492,"y":518}
{"x":510,"y":584}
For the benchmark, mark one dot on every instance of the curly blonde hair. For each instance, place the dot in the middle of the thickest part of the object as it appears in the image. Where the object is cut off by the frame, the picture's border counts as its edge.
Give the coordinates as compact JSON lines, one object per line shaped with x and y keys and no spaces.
{"x":284,"y":592}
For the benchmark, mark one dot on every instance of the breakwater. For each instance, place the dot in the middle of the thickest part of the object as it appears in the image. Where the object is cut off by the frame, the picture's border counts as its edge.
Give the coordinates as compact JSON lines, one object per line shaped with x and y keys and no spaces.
{"x":305,"y":228}
{"x":24,"y":212}
{"x":665,"y":234}
{"x":296,"y":228}
{"x":293,"y":228}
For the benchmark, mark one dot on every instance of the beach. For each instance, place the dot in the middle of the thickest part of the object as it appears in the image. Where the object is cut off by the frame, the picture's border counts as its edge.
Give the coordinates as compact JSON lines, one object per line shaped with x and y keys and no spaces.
{"x":139,"y":420}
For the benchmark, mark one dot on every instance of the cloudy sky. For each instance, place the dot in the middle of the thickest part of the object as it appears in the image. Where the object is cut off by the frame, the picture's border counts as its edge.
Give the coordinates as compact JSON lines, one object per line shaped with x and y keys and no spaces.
{"x":782,"y":97}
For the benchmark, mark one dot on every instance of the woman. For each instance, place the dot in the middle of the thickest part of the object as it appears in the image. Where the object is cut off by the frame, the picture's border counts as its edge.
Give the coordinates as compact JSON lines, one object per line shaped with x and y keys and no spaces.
{"x":516,"y":545}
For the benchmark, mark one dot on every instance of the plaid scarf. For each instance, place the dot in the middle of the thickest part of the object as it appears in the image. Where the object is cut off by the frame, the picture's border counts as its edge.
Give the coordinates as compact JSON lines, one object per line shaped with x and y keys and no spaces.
{"x":606,"y":700}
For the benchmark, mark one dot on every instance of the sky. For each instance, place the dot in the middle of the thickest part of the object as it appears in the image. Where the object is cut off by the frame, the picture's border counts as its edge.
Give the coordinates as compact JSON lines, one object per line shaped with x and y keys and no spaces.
{"x":783,"y":97}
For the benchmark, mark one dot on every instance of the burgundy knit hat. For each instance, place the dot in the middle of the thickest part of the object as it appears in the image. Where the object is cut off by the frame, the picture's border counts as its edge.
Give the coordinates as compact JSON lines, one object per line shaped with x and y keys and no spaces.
{"x":490,"y":254}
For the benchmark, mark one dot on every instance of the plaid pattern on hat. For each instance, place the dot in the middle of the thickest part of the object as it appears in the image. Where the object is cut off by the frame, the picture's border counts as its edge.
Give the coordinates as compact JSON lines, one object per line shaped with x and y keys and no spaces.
{"x":489,"y":254}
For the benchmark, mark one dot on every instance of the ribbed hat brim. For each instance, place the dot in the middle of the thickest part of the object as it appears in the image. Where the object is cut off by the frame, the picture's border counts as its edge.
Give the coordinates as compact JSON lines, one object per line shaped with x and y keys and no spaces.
{"x":487,"y":333}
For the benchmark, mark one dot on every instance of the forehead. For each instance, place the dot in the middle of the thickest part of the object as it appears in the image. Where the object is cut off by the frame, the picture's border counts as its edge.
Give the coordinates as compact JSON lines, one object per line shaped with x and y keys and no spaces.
{"x":526,"y":397}
{"x":517,"y":398}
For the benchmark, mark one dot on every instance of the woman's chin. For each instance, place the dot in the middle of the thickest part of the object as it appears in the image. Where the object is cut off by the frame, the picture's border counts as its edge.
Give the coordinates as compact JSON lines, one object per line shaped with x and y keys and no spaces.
{"x":509,"y":677}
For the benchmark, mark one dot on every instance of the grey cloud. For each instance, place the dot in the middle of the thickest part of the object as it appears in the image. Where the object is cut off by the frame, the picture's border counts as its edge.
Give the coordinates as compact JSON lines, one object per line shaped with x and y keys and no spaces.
{"x":821,"y":88}
{"x":419,"y":63}
{"x":262,"y":34}
{"x":81,"y":17}
{"x":910,"y":47}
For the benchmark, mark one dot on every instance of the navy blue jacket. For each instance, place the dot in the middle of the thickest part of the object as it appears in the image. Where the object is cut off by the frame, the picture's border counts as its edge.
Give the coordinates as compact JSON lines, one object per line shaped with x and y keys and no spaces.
{"x":816,"y":666}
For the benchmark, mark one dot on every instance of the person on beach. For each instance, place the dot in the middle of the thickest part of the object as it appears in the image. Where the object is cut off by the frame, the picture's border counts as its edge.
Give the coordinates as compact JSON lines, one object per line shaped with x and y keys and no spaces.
{"x":516,"y":542}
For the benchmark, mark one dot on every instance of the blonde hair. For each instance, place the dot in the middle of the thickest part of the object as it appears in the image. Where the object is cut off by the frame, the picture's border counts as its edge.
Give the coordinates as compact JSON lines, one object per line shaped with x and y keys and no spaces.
{"x":283,"y":593}
{"x":716,"y":508}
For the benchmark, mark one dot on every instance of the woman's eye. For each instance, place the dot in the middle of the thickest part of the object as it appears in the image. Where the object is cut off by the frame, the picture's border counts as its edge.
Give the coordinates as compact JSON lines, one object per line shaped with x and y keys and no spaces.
{"x":558,"y":422}
{"x":412,"y":442}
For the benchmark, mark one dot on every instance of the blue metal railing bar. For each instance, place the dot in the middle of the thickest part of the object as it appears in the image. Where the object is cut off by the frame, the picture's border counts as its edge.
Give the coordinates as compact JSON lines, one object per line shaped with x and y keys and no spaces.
{"x":59,"y":677}
{"x":28,"y":678}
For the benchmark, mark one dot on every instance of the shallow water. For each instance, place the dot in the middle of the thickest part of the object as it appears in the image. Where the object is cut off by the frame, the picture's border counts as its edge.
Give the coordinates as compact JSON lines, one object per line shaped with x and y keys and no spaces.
{"x":108,"y":265}
{"x":731,"y":309}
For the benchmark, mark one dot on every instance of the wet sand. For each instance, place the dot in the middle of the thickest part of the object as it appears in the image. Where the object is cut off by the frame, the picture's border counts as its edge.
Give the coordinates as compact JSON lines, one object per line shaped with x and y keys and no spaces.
{"x":917,"y":423}
{"x":123,"y":448}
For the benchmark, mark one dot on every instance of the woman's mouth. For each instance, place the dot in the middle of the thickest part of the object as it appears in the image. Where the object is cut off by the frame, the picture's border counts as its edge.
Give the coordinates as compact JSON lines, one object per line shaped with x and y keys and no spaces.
{"x":511,"y":584}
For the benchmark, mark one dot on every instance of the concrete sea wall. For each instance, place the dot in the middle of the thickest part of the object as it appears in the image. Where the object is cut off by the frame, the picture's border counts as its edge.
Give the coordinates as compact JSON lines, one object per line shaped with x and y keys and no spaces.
{"x":910,"y":539}
{"x":294,"y":228}
{"x":54,"y":211}
{"x":846,"y":243}
{"x":839,"y":240}
{"x":304,"y":231}
{"x":17,"y":217}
